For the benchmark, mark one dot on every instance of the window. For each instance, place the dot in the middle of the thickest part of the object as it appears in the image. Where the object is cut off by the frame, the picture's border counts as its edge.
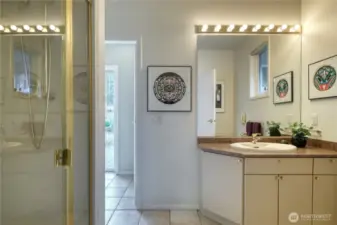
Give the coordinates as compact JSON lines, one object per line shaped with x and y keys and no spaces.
{"x":259,"y":72}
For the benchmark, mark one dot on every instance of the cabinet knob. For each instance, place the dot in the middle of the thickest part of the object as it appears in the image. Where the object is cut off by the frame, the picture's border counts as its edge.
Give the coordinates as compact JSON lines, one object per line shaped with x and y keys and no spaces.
{"x":316,"y":178}
{"x":332,"y":160}
{"x":281,"y":177}
{"x":279,"y":161}
{"x":239,"y":160}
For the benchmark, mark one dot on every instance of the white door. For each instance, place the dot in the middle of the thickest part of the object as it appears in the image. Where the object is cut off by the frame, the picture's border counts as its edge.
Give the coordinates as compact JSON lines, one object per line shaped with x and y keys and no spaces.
{"x":206,"y":103}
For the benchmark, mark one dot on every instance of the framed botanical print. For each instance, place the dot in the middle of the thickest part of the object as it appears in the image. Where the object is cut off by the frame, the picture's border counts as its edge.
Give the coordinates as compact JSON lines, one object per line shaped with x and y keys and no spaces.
{"x":219,"y":97}
{"x":322,"y":79}
{"x":283,"y":88}
{"x":169,"y":88}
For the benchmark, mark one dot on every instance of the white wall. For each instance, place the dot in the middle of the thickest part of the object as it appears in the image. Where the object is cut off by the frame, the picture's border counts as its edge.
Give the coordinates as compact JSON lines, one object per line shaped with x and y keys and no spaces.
{"x":285,"y":56}
{"x":319,"y":41}
{"x":223,"y":62}
{"x":123,"y":55}
{"x":167,"y":155}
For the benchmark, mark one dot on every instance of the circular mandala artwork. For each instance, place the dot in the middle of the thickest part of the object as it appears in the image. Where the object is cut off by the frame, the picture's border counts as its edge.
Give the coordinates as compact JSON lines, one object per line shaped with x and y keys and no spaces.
{"x":169,"y":88}
{"x":325,"y":78}
{"x":282,"y":88}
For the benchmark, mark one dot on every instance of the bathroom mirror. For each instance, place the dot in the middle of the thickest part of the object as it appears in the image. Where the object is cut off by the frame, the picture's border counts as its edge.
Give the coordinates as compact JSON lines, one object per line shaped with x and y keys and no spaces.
{"x":247,"y":78}
{"x":29,"y":65}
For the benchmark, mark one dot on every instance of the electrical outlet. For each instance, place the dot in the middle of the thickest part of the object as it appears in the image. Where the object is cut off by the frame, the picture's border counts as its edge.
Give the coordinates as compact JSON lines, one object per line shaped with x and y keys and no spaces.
{"x":314,"y":119}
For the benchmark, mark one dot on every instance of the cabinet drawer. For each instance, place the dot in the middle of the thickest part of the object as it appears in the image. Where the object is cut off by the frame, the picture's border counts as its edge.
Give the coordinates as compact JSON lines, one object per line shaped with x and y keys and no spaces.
{"x":278,"y":166}
{"x":325,"y":166}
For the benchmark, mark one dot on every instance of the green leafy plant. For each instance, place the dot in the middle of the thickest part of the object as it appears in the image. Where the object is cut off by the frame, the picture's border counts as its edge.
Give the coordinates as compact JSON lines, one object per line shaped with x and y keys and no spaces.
{"x":300,"y":130}
{"x":274,"y":128}
{"x":300,"y":134}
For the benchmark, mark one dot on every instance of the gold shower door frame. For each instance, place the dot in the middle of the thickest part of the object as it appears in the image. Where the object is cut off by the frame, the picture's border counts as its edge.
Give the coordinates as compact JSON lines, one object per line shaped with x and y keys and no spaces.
{"x":68,"y":126}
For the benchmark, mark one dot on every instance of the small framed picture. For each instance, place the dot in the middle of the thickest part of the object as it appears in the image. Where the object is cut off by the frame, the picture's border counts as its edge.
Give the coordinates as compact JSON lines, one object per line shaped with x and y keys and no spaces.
{"x":283,"y":88}
{"x":169,"y":88}
{"x":322,"y":79}
{"x":219,"y":97}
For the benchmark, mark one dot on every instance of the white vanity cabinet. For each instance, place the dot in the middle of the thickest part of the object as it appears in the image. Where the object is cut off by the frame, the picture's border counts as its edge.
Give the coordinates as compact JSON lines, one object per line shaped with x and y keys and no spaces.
{"x":264,"y":191}
{"x":221,"y":186}
{"x":325,"y":191}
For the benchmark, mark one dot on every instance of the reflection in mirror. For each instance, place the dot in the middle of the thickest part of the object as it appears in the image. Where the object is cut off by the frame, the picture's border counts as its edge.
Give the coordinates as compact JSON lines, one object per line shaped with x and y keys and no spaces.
{"x":29,"y":65}
{"x":245,"y":81}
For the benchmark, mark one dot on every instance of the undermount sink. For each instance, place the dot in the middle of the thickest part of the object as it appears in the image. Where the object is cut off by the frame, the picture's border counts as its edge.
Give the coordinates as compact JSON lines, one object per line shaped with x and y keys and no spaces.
{"x":11,"y":144}
{"x":263,"y":147}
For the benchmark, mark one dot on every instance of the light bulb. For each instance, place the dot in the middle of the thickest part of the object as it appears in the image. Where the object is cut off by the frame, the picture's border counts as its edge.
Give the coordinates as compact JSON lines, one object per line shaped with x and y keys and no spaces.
{"x":217,"y":28}
{"x":57,"y":29}
{"x":52,"y":27}
{"x":257,"y":27}
{"x":243,"y":28}
{"x":26,"y":27}
{"x":32,"y":30}
{"x":266,"y":29}
{"x":284,"y":26}
{"x":39,"y":27}
{"x":13,"y":27}
{"x":44,"y":30}
{"x":292,"y":30}
{"x":296,"y":27}
{"x":271,"y":26}
{"x":2,"y":27}
{"x":230,"y":28}
{"x":279,"y":29}
{"x":19,"y":30}
{"x":7,"y":30}
{"x":204,"y":28}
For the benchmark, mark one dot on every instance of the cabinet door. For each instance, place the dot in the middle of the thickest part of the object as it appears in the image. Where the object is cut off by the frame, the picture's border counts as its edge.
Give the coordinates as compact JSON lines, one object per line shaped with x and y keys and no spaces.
{"x":261,"y":194}
{"x":295,"y":196}
{"x":325,"y":200}
{"x":222,"y":178}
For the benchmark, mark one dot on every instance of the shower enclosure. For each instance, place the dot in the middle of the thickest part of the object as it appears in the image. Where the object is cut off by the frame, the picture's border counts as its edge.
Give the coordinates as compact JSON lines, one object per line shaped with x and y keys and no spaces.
{"x":45,"y":79}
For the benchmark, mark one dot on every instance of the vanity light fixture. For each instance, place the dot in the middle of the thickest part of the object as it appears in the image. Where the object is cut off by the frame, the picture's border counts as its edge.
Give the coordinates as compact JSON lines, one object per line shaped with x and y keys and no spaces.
{"x":247,"y":29}
{"x":29,"y":29}
{"x":217,"y":28}
{"x":204,"y":28}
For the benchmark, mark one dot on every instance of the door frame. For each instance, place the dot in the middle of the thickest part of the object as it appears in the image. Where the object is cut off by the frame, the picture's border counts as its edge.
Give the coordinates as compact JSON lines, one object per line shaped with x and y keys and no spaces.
{"x":114,"y":68}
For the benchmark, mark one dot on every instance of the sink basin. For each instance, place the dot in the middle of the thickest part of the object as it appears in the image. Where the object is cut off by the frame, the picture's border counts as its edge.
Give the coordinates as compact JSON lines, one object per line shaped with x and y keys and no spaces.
{"x":263,"y":147}
{"x":11,"y":144}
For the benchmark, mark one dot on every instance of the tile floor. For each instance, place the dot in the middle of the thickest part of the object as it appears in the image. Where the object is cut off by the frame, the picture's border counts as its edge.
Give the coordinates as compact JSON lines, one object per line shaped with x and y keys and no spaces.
{"x":120,"y":208}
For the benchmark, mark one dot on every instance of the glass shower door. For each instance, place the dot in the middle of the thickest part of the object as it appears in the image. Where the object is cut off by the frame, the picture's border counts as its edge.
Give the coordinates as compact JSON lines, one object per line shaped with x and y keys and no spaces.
{"x":44,"y":113}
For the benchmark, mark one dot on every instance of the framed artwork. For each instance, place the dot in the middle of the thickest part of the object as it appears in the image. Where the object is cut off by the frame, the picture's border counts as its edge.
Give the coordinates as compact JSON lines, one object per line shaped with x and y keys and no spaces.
{"x":322,"y":79}
{"x":283,"y":88}
{"x":219,"y":97}
{"x":169,"y":88}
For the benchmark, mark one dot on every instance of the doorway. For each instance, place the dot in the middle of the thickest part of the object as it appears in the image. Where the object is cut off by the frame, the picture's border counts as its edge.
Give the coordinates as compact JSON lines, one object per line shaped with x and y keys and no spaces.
{"x":120,"y":67}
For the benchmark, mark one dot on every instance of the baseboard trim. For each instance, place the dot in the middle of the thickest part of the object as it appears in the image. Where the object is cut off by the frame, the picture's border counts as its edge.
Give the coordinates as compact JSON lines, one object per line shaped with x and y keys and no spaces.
{"x":217,"y":218}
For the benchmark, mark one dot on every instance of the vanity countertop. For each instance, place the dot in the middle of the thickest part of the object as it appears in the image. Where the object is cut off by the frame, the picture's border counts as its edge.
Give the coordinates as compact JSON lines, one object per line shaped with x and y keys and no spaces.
{"x":308,"y":152}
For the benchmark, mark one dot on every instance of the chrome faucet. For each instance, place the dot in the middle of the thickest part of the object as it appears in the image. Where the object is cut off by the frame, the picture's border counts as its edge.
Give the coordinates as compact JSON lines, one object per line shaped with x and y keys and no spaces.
{"x":256,"y":138}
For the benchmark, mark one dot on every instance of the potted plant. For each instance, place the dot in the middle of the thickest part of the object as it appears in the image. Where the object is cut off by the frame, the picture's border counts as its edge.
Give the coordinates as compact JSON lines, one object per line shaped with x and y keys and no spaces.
{"x":274,"y":128}
{"x":300,"y":134}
